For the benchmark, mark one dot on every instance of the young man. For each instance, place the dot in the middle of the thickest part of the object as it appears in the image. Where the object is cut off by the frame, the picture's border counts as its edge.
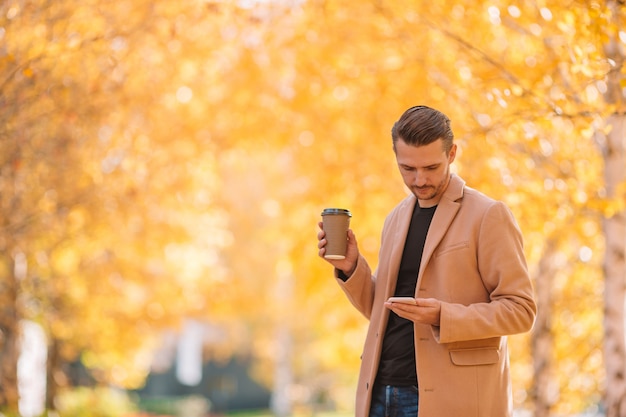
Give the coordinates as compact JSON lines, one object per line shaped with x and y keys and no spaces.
{"x":459,"y":255}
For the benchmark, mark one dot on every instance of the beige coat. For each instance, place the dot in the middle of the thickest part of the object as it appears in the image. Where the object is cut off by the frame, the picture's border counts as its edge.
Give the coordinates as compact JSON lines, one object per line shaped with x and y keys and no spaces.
{"x":474,"y":263}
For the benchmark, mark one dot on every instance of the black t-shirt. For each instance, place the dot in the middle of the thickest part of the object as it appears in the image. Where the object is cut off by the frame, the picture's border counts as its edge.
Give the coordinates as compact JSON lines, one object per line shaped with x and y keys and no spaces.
{"x":397,"y":361}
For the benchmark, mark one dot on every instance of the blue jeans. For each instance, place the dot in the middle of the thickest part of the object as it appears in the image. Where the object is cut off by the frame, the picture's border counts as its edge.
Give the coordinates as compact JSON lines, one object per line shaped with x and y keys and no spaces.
{"x":390,"y":401}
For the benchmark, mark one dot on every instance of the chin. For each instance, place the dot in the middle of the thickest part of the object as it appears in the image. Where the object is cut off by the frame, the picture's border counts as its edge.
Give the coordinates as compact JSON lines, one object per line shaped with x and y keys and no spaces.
{"x":424,"y":197}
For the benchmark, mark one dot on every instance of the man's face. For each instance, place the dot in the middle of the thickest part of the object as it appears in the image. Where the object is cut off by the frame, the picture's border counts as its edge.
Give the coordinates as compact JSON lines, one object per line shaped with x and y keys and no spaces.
{"x":425,"y":169}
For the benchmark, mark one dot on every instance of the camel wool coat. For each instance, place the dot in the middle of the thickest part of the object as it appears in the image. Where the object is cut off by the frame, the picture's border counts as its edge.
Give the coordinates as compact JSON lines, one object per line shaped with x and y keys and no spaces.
{"x":473,"y":262}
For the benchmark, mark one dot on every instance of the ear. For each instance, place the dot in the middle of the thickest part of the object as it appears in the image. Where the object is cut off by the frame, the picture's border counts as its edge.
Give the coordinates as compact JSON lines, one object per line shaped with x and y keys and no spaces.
{"x":452,"y":153}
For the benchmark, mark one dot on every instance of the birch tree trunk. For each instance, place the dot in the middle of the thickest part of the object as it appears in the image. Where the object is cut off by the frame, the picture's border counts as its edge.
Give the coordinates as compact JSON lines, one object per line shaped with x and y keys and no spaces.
{"x":613,"y":146}
{"x":615,"y":272}
{"x":544,"y":391}
{"x":281,"y":401}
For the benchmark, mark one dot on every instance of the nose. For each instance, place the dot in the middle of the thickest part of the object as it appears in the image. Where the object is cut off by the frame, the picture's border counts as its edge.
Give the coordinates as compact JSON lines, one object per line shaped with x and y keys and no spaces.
{"x":419,"y":178}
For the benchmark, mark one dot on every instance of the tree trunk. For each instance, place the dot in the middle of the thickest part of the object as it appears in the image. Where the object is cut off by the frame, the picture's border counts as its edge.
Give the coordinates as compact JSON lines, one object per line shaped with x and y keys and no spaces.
{"x":53,"y":367}
{"x":615,"y":271}
{"x":9,"y":336}
{"x":281,"y":401}
{"x":544,"y":392}
{"x":613,"y":146}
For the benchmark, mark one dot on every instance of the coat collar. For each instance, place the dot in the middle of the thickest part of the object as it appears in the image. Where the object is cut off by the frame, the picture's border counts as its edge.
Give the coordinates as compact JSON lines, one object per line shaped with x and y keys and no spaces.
{"x":446,"y":211}
{"x":455,"y":188}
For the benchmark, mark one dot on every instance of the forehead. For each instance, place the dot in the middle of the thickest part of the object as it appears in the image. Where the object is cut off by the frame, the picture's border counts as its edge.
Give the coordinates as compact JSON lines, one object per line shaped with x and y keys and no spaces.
{"x":420,"y":156}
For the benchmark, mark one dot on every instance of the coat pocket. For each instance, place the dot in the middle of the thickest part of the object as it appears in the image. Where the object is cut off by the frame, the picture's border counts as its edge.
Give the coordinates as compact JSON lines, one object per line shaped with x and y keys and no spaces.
{"x":455,"y":246}
{"x":473,"y":357}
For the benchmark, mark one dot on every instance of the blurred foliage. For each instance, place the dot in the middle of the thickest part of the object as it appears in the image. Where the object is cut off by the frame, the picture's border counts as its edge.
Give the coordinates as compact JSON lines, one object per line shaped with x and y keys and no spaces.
{"x":190,"y":406}
{"x":94,"y":402}
{"x":163,"y":160}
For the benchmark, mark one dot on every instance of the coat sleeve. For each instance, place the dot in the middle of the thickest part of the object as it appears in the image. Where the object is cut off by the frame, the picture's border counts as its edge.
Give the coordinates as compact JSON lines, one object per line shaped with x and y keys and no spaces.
{"x":502,"y":267}
{"x":359,"y":287}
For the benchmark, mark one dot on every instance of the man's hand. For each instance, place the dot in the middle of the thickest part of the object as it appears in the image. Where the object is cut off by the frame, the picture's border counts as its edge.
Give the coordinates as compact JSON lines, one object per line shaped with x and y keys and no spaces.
{"x":424,"y":311}
{"x":347,"y":265}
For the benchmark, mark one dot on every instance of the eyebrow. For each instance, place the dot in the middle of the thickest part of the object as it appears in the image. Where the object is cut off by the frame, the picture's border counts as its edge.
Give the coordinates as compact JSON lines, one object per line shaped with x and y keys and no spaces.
{"x":435,"y":165}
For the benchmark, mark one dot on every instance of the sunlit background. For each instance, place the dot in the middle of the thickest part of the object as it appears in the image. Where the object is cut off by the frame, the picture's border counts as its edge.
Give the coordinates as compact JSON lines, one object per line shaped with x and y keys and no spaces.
{"x":163,"y":167}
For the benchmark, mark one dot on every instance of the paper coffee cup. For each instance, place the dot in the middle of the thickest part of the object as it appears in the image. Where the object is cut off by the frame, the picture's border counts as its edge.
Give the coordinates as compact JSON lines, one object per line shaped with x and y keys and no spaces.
{"x":336,"y":223}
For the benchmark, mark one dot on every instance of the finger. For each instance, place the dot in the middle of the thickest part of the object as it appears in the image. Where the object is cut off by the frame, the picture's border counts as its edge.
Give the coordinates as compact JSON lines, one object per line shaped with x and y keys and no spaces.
{"x":400,"y":311}
{"x":397,"y":307}
{"x":425,"y":302}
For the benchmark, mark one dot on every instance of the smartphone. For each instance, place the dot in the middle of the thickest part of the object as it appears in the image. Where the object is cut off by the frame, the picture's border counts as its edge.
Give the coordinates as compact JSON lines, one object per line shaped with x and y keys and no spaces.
{"x":405,"y":300}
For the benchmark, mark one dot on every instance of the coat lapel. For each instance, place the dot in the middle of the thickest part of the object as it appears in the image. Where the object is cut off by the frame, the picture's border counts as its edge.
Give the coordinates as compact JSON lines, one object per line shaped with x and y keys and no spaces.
{"x":446,"y":211}
{"x":399,"y":239}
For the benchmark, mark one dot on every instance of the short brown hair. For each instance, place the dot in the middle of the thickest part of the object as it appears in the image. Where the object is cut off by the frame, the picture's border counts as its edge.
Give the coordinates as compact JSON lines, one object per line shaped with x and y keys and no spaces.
{"x":421,"y":125}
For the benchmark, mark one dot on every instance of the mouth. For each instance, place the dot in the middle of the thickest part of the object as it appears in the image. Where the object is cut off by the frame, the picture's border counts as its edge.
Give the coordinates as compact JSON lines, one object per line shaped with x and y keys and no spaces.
{"x":421,"y":189}
{"x":423,"y":192}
